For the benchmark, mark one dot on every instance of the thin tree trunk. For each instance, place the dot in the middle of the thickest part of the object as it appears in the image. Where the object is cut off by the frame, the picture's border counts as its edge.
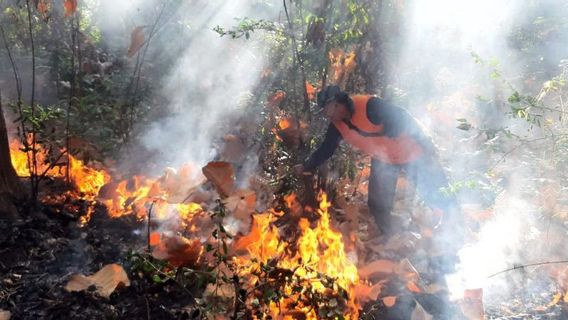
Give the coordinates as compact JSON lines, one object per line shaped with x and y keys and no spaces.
{"x":9,"y":184}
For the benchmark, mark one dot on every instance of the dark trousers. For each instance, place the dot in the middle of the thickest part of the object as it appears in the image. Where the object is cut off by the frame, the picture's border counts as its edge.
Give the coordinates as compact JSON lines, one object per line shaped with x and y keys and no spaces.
{"x":427,"y":175}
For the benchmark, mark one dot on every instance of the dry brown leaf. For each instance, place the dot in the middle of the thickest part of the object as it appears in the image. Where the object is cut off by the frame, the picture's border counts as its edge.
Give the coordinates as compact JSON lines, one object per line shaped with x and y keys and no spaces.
{"x":377,"y":267}
{"x":179,"y":251}
{"x":472,"y":304}
{"x":5,"y":315}
{"x":136,"y":41}
{"x":406,"y":270}
{"x":389,"y":301}
{"x":178,"y":183}
{"x":106,"y":280}
{"x":292,"y":315}
{"x":222,"y":176}
{"x":419,"y":313}
{"x":242,"y":204}
{"x":70,"y":7}
{"x":222,"y":290}
{"x":402,"y":243}
{"x":233,"y":149}
{"x":365,"y":293}
{"x":198,"y":195}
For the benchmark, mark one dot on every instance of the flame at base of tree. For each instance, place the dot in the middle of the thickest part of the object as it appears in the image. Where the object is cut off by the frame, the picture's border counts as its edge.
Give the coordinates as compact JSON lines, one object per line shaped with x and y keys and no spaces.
{"x":87,"y":180}
{"x":91,"y":185}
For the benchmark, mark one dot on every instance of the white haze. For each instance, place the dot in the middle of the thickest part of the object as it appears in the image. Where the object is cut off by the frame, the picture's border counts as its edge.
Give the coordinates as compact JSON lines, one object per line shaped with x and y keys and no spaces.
{"x":437,"y":71}
{"x":208,"y":78}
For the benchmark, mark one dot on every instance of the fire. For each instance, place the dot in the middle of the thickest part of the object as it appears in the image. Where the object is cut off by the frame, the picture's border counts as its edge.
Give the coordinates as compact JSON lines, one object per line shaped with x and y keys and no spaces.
{"x":284,"y":124}
{"x":87,"y":180}
{"x":133,"y":196}
{"x":314,"y":262}
{"x":263,"y":241}
{"x":318,"y":251}
{"x":19,"y":159}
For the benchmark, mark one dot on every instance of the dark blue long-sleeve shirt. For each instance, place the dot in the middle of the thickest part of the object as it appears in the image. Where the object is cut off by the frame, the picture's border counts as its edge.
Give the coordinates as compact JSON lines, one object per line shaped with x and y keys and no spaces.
{"x":326,"y":148}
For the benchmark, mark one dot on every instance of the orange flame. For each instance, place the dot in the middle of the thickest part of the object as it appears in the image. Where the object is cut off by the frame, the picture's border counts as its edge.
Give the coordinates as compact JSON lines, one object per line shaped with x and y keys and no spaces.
{"x":284,"y":124}
{"x":320,"y":250}
{"x":132,"y":196}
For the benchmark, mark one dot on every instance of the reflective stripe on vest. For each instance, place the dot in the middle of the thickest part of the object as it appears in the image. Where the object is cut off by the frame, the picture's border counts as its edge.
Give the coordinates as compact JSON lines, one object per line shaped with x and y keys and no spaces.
{"x":399,"y":150}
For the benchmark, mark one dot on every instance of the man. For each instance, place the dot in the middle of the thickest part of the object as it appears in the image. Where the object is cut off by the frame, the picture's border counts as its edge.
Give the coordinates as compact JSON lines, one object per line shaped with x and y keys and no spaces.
{"x":395,"y":142}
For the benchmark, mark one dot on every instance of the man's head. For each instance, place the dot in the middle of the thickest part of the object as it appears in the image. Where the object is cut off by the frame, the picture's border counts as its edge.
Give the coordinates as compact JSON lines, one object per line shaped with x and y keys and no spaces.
{"x":336,"y":104}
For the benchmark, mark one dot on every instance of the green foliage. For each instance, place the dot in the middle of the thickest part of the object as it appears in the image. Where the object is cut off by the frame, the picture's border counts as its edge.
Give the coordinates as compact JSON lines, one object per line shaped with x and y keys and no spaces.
{"x":246,"y":26}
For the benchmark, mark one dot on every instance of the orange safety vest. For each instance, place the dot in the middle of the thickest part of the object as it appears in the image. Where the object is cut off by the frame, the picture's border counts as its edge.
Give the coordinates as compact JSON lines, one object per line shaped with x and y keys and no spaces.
{"x":399,"y":150}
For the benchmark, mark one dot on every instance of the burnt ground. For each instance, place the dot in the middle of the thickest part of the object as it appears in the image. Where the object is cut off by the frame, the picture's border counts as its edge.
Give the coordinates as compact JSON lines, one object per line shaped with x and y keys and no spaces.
{"x":38,"y":255}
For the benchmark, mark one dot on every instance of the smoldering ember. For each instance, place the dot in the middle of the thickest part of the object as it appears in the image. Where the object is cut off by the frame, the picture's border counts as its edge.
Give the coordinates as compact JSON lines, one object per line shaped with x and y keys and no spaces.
{"x":326,"y":159}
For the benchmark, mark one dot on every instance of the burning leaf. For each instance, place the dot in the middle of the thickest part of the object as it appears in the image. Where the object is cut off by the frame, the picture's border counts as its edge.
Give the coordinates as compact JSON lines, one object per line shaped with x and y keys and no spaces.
{"x":413,"y":287}
{"x":472,"y":304}
{"x":366,"y":293}
{"x":70,"y":7}
{"x":291,"y":131}
{"x":106,"y":280}
{"x":136,"y":41}
{"x":420,"y":314}
{"x":222,"y":176}
{"x":389,"y":301}
{"x":311,"y":91}
{"x":274,"y":100}
{"x":155,"y":238}
{"x":5,"y":315}
{"x":43,"y":6}
{"x":179,"y":251}
{"x":377,"y":267}
{"x":263,"y":241}
{"x":342,"y":64}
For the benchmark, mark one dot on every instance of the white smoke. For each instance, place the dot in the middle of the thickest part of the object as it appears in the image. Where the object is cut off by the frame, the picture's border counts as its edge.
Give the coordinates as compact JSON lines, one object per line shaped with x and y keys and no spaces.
{"x":438,"y":79}
{"x":208,"y":77}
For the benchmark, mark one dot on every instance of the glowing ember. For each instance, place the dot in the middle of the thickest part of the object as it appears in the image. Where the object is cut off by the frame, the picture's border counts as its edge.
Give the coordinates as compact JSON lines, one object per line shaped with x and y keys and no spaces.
{"x":284,"y":124}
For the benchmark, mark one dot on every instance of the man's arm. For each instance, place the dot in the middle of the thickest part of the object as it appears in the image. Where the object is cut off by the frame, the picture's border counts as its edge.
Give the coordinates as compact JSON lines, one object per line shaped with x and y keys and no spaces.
{"x":325,"y":150}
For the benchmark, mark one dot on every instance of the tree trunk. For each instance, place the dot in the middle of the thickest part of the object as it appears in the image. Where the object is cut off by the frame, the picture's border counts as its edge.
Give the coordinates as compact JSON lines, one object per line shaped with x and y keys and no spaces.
{"x":10,"y":187}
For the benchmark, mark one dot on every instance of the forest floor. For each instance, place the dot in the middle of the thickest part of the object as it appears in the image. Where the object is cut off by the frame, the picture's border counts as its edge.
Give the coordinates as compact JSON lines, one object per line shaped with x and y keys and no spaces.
{"x":40,"y":253}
